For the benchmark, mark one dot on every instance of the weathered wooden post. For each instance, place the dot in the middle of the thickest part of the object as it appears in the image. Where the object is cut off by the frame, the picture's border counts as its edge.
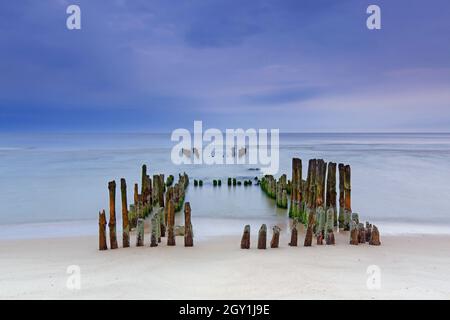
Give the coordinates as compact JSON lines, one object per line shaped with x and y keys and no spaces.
{"x":311,"y":202}
{"x":354,"y":233}
{"x":145,"y":188}
{"x":102,"y":231}
{"x":331,"y":191}
{"x":245,"y":241}
{"x":188,"y":234}
{"x":296,"y":192}
{"x":330,"y":238}
{"x":158,"y":190}
{"x":361,"y":233}
{"x":154,"y":233}
{"x":140,"y":233}
{"x":329,"y":226}
{"x":309,"y":231}
{"x":112,"y":214}
{"x":347,"y":198}
{"x":136,"y":195}
{"x":319,"y":239}
{"x":368,"y":231}
{"x":262,"y":237}
{"x":320,"y":189}
{"x":294,"y":235}
{"x":125,"y":222}
{"x":171,"y":223}
{"x":341,"y":195}
{"x":275,"y":237}
{"x":311,"y":192}
{"x":375,"y":237}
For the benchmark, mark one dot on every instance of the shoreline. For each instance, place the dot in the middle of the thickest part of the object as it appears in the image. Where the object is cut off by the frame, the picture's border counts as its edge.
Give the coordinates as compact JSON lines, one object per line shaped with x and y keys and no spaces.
{"x":205,"y":227}
{"x":412,"y":267}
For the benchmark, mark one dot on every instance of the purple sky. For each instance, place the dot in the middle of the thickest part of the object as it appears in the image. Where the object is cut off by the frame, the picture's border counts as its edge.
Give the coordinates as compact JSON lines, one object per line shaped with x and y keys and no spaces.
{"x":300,"y":66}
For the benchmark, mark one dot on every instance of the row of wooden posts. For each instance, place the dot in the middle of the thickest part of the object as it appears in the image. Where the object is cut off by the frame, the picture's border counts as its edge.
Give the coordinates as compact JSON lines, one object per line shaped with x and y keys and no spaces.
{"x":358,"y":235}
{"x":313,"y":201}
{"x":158,"y":200}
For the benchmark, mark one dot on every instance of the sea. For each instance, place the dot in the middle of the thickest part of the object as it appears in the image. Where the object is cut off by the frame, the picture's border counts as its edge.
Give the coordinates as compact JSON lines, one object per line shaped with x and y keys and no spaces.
{"x":54,"y":184}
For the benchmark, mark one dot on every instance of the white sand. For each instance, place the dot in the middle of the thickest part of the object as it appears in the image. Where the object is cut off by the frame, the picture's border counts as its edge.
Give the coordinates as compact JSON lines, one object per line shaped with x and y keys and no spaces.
{"x":411,"y":267}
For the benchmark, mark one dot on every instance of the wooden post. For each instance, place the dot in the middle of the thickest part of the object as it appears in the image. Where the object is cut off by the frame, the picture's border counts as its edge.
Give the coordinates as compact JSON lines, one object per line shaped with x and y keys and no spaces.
{"x":171,"y":223}
{"x":188,"y":234}
{"x":154,"y":234}
{"x":329,"y":226}
{"x":125,"y":222}
{"x":140,"y":233}
{"x":309,"y":231}
{"x":347,"y":198}
{"x":341,"y":195}
{"x":296,"y":192}
{"x":368,"y":231}
{"x":102,"y":231}
{"x":275,"y":237}
{"x":320,"y":193}
{"x":311,"y":192}
{"x":354,"y":233}
{"x":331,"y":191}
{"x":136,"y":195}
{"x":262,"y":237}
{"x":245,"y":241}
{"x":294,"y":235}
{"x":361,"y":233}
{"x":375,"y":236}
{"x":144,"y":186}
{"x":112,"y":214}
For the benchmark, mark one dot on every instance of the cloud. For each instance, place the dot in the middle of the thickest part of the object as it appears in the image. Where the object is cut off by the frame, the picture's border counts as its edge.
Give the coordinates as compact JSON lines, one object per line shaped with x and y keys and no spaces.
{"x":224,"y":61}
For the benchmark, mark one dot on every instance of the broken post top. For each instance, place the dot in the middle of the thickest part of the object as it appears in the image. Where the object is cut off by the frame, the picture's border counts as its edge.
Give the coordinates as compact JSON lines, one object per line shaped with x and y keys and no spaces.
{"x":112,"y":185}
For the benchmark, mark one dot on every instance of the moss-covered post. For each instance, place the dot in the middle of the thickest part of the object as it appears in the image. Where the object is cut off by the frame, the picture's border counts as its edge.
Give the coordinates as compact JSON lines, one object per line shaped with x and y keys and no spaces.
{"x":154,"y":233}
{"x":102,"y":231}
{"x":309,"y":231}
{"x":311,"y":188}
{"x":347,"y":198}
{"x":171,"y":223}
{"x":331,"y":191}
{"x":262,"y":237}
{"x":296,"y":192}
{"x":140,"y":233}
{"x":144,"y":185}
{"x":125,"y":222}
{"x":329,"y":227}
{"x":341,"y":195}
{"x":245,"y":241}
{"x":320,"y":193}
{"x":112,"y":214}
{"x":188,"y":233}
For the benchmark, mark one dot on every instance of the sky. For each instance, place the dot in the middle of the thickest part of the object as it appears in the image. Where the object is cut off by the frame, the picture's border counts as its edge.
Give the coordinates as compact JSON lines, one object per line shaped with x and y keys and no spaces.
{"x":153,"y":66}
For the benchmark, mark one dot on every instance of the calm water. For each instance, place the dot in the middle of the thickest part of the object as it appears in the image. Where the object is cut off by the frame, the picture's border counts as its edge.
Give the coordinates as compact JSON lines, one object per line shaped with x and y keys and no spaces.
{"x":400,"y":180}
